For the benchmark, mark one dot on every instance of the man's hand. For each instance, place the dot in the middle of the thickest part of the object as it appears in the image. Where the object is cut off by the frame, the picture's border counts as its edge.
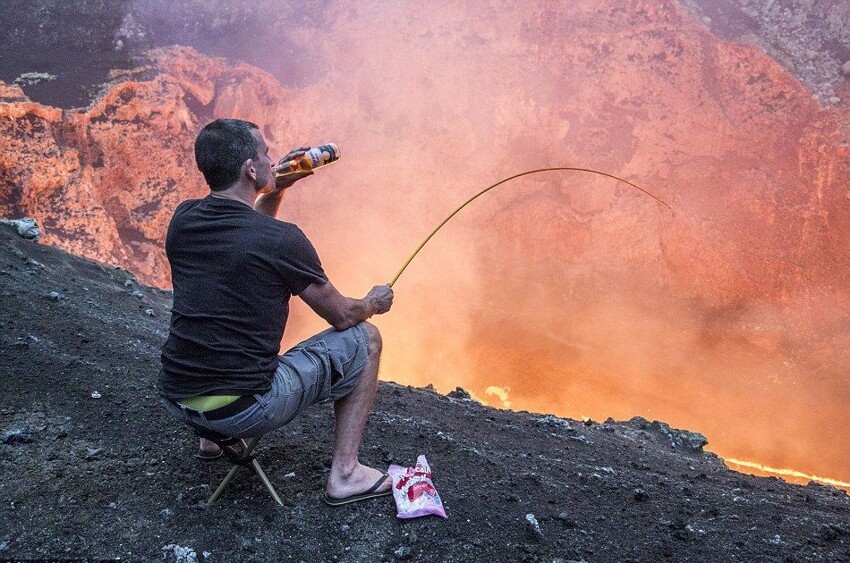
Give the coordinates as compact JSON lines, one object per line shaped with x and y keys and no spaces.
{"x":380,"y":298}
{"x":284,"y":182}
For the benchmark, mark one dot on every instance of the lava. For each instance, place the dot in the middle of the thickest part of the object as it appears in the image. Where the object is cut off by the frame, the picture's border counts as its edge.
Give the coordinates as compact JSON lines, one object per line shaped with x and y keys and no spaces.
{"x":787,"y":473}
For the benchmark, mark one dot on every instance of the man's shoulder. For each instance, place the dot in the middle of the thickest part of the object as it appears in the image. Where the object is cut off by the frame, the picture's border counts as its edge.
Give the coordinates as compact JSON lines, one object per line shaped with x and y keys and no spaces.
{"x":186,"y":205}
{"x":282,"y":230}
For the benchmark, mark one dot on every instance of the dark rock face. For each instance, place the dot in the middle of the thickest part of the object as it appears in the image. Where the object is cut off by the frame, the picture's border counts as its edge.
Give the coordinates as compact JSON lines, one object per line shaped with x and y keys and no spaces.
{"x":811,"y":38}
{"x":61,"y":52}
{"x":88,"y":452}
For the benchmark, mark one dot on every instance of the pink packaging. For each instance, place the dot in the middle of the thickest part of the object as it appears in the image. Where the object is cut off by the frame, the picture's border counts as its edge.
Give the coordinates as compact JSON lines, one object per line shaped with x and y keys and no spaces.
{"x":414,"y":492}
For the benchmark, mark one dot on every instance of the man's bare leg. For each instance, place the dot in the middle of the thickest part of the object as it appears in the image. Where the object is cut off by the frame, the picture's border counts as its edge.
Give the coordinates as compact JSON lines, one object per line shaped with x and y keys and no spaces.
{"x":348,"y":477}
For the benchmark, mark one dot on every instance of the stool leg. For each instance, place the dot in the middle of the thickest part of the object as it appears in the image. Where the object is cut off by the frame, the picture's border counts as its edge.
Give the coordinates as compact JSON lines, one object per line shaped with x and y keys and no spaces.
{"x":249,"y":446}
{"x":265,"y":481}
{"x":224,"y":483}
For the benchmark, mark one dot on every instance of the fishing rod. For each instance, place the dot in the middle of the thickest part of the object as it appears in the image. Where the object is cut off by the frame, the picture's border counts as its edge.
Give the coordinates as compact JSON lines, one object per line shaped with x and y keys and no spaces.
{"x":500,"y":182}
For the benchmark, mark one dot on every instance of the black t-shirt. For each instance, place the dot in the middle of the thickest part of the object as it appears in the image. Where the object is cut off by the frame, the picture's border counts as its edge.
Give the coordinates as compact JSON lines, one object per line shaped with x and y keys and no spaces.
{"x":233,"y":270}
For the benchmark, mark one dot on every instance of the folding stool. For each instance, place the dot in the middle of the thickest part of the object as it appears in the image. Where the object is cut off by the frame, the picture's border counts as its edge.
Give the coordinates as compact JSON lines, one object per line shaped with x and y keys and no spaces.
{"x":239,"y":453}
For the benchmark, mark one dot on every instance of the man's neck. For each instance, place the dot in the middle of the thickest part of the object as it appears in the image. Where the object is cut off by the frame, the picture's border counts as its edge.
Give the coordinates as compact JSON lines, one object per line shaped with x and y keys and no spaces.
{"x":239,"y":191}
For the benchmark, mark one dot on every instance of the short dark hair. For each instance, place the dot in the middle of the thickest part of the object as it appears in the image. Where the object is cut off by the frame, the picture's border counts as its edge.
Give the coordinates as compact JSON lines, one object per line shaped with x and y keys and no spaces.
{"x":221,"y":148}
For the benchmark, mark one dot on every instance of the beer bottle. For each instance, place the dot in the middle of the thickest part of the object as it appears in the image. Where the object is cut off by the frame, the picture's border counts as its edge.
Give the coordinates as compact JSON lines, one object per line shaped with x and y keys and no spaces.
{"x":310,"y":160}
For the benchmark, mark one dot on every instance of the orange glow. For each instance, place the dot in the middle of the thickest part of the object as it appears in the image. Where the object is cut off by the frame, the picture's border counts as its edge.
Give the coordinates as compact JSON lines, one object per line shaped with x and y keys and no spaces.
{"x":788,"y":473}
{"x":579,"y":296}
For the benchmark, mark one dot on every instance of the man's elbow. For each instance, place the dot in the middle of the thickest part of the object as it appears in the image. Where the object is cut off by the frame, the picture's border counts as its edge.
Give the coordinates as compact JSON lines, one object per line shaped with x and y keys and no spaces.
{"x":343,"y":323}
{"x":339,"y":325}
{"x":347,"y":318}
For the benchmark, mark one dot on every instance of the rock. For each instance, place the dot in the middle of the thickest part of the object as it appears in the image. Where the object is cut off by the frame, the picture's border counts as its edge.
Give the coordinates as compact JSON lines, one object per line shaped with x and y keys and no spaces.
{"x":684,"y":439}
{"x":845,"y":69}
{"x":825,"y":488}
{"x":16,"y":436}
{"x":55,"y":296}
{"x":149,"y":312}
{"x":581,"y":439}
{"x":460,"y":393}
{"x":640,"y":494}
{"x":832,"y":532}
{"x":532,"y":528}
{"x":685,"y":532}
{"x":137,"y":294}
{"x":166,"y":513}
{"x":181,"y":554}
{"x":834,"y":100}
{"x":553,"y":421}
{"x":567,"y":520}
{"x":26,"y":227}
{"x":402,"y":552}
{"x":30,"y":78}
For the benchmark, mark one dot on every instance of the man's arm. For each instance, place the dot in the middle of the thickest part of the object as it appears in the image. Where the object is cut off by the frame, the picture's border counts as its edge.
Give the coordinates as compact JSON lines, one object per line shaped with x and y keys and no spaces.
{"x":344,"y":312}
{"x":269,"y":203}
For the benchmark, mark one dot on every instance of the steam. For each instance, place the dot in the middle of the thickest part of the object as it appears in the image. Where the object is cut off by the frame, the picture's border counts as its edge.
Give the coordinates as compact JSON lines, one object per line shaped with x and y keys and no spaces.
{"x":568,"y":294}
{"x":501,"y":393}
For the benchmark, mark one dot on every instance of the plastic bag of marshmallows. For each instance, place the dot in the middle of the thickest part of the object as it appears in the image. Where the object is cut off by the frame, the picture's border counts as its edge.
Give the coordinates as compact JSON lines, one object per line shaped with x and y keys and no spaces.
{"x":414,"y":491}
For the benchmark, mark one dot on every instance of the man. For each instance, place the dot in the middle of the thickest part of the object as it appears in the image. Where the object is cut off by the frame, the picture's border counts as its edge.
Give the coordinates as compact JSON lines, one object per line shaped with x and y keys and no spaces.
{"x":234,"y":268}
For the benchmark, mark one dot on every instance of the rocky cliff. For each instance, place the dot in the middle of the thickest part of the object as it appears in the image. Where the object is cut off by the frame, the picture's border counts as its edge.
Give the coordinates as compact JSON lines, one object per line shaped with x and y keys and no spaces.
{"x":104,"y":181}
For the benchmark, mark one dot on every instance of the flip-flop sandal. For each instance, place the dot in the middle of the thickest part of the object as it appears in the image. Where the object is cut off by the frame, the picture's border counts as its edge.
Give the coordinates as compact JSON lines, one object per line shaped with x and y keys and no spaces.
{"x":371,"y":493}
{"x":208,"y":456}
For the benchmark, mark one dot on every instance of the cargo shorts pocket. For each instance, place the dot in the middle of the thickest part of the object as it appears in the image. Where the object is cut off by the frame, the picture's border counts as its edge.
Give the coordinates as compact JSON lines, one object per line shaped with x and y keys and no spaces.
{"x":321,"y":375}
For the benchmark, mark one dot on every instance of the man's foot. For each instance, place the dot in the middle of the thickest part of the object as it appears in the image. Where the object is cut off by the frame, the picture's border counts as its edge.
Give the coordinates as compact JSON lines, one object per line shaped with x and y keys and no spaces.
{"x":362,"y":480}
{"x":208,"y":450}
{"x":375,"y":491}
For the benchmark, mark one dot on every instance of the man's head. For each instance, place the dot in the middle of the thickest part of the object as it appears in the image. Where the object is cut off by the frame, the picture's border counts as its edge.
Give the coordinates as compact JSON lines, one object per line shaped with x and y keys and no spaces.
{"x":223,"y":150}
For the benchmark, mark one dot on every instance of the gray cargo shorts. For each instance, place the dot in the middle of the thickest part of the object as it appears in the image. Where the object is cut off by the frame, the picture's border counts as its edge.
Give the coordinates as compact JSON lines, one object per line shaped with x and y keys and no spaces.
{"x":322,"y":369}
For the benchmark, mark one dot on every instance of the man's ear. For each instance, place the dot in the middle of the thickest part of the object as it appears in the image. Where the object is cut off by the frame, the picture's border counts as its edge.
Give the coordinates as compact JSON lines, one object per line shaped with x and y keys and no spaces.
{"x":249,"y":169}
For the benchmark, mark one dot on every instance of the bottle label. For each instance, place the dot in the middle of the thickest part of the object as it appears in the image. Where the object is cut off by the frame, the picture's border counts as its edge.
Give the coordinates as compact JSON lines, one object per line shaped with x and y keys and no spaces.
{"x":312,"y":159}
{"x":323,"y":154}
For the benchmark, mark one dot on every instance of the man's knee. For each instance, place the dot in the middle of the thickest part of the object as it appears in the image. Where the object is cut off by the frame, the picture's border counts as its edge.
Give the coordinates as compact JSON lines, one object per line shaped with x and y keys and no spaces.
{"x":374,"y":336}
